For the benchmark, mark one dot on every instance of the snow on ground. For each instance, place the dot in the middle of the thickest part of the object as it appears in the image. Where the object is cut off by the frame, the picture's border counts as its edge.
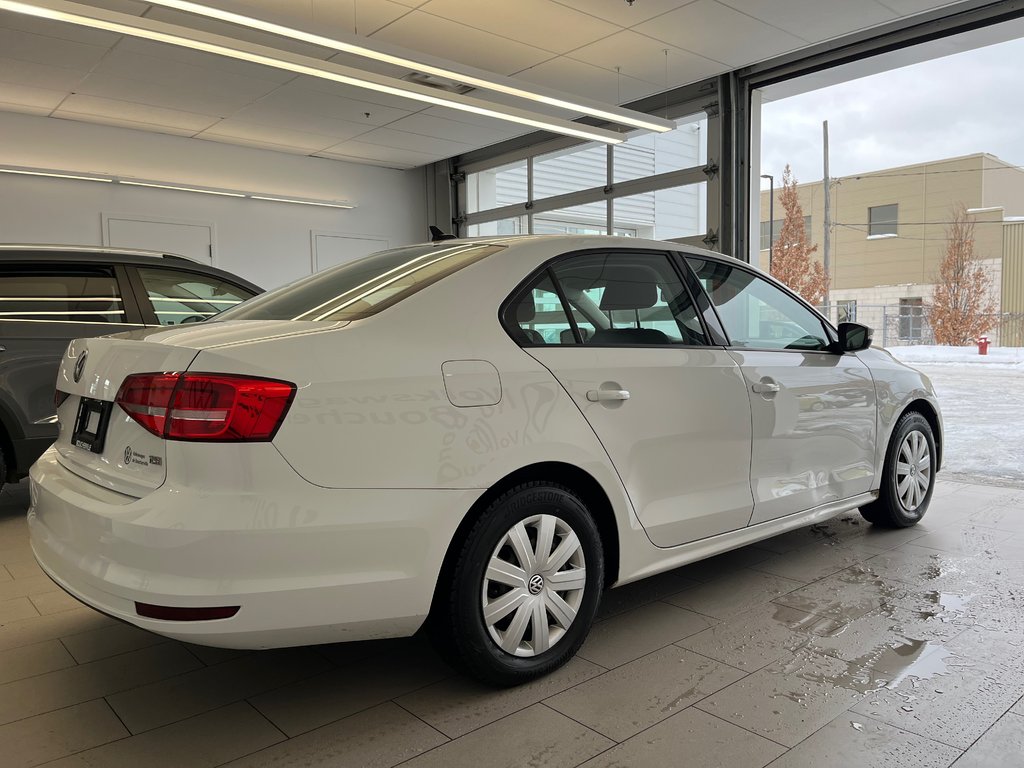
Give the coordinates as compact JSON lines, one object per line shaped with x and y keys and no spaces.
{"x":982,"y":401}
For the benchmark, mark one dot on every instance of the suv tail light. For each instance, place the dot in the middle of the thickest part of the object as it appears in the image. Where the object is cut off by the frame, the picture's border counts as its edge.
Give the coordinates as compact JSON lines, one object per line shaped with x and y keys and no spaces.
{"x":206,"y":406}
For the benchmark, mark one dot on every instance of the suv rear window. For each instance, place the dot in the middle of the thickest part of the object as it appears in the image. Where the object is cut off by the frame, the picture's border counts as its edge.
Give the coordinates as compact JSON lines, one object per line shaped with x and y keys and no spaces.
{"x":363,"y":287}
{"x":68,"y":294}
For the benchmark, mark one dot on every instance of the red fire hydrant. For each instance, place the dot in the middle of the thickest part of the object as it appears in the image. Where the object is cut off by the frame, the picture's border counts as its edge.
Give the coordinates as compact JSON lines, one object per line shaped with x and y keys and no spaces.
{"x":983,"y":343}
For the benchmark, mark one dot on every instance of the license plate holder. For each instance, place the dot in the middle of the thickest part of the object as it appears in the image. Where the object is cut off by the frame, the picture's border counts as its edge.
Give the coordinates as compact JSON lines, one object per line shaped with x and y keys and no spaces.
{"x":91,"y":424}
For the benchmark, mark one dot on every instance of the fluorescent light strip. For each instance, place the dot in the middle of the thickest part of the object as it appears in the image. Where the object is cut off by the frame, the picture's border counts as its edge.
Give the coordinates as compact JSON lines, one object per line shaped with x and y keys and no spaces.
{"x":270,"y":57}
{"x":54,"y":175}
{"x":621,"y":116}
{"x":301,"y":202}
{"x":181,"y":189}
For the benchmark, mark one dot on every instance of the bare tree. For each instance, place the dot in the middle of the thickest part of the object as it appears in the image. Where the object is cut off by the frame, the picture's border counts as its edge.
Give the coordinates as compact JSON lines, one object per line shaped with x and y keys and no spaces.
{"x":791,"y":261}
{"x":961,"y":305}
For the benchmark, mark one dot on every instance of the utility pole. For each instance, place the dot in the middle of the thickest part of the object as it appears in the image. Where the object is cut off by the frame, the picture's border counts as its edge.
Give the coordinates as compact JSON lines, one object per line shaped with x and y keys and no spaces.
{"x":771,"y":218}
{"x":826,"y":240}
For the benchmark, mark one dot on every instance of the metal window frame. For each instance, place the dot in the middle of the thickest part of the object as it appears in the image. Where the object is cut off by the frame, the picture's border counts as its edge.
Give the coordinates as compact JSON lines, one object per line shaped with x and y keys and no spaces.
{"x":691,"y":100}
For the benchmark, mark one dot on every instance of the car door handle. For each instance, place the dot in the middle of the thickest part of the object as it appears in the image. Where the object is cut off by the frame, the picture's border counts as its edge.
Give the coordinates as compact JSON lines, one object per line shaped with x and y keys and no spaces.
{"x":603,"y":395}
{"x":765,"y":387}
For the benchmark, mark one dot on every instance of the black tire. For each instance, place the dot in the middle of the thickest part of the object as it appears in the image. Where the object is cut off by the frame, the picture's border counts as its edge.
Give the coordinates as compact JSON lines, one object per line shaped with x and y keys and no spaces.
{"x":459,"y":629}
{"x":3,"y":469}
{"x":892,"y":510}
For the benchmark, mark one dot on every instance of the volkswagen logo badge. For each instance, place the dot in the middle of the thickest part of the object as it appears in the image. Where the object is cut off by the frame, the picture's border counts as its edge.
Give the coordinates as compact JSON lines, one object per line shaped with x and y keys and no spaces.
{"x":80,"y":366}
{"x":127,"y":455}
{"x":536,"y":584}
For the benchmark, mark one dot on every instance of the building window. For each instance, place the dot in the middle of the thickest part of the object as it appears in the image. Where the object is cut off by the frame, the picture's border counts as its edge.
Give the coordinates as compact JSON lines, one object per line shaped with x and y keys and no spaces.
{"x":775,"y":231}
{"x":882,"y":220}
{"x":846,"y":311}
{"x":911,"y":319}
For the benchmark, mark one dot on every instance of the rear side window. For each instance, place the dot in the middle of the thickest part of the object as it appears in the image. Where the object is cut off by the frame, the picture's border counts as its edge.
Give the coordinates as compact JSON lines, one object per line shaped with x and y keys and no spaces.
{"x":363,"y":287}
{"x":187,"y":297}
{"x":614,"y":299}
{"x":72,"y":294}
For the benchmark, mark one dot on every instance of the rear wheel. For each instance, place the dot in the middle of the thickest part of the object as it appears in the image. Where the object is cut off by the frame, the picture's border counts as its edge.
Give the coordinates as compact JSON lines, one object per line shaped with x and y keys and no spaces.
{"x":908,"y":475}
{"x":525,"y":588}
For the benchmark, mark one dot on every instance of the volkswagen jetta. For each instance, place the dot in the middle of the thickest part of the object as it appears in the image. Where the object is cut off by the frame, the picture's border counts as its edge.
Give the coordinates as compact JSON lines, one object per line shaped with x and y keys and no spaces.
{"x":479,"y":436}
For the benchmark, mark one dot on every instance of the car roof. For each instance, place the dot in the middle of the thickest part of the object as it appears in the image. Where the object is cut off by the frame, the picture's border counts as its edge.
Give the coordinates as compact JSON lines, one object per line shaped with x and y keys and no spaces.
{"x":91,"y":254}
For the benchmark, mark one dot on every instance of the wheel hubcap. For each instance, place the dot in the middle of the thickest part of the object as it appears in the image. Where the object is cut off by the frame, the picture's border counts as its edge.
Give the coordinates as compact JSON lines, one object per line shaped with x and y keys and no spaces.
{"x":913,"y":470}
{"x":533,"y":585}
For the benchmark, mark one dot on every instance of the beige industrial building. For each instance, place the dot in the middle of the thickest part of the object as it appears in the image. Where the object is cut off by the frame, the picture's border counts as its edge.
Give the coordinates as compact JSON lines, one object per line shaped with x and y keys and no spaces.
{"x":889,"y":237}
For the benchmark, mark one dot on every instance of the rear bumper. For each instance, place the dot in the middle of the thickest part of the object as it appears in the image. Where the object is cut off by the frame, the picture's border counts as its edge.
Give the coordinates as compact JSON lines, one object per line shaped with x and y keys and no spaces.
{"x":305,"y":564}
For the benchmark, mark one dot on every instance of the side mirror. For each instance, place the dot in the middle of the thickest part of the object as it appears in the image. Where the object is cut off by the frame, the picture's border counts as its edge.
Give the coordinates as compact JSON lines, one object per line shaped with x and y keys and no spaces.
{"x":853,"y":337}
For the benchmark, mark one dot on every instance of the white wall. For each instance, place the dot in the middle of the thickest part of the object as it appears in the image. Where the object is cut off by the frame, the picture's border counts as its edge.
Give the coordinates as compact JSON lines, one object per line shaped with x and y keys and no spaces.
{"x":268,"y":243}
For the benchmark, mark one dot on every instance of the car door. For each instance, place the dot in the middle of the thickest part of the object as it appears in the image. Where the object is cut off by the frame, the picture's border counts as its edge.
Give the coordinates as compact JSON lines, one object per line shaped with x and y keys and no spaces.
{"x":44,"y":306}
{"x":813,"y":410}
{"x":620,"y":332}
{"x":169,"y":296}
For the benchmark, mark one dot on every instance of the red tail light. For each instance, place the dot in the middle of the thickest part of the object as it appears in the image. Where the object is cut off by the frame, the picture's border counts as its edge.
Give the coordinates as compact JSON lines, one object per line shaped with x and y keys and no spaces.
{"x":206,"y":406}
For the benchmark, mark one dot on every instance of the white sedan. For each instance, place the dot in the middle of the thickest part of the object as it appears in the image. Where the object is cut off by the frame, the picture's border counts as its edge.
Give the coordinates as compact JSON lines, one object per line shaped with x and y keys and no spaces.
{"x":479,"y":436}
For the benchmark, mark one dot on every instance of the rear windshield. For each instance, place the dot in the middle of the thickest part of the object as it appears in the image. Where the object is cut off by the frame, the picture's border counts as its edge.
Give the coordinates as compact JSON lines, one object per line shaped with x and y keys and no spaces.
{"x":363,"y":287}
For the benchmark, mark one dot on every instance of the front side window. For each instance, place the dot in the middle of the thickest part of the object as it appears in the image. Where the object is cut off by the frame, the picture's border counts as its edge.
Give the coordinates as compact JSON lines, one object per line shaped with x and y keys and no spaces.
{"x":882,"y":220}
{"x":64,"y":294}
{"x":617,"y":299}
{"x":757,"y":314}
{"x":187,"y":297}
{"x":363,"y":287}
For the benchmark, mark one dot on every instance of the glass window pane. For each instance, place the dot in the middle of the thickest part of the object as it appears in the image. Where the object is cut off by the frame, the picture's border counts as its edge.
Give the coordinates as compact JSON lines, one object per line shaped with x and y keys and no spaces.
{"x":78,"y":295}
{"x":362,"y":287}
{"x":663,"y":214}
{"x":185,"y":297}
{"x":496,"y":187}
{"x":570,"y":170}
{"x":540,"y":317}
{"x":629,"y":299}
{"x":590,"y":219}
{"x":646,"y":154}
{"x":882,"y":220}
{"x":755,"y":313}
{"x":514,"y":226}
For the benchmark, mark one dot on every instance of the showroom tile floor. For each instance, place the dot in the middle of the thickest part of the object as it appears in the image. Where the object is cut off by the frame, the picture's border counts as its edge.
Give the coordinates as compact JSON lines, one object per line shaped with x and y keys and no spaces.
{"x":831,"y":646}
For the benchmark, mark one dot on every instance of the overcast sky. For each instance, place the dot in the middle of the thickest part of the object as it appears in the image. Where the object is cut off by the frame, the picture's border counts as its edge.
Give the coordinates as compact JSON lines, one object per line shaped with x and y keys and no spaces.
{"x":958,"y":105}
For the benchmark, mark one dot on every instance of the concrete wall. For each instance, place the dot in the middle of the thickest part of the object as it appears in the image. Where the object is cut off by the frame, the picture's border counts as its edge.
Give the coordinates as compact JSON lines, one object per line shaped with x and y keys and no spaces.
{"x":268,"y":243}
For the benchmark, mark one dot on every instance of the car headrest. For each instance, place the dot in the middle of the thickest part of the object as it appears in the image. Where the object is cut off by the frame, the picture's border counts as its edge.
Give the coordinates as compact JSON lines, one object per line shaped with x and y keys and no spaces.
{"x":527,"y":309}
{"x":629,"y":287}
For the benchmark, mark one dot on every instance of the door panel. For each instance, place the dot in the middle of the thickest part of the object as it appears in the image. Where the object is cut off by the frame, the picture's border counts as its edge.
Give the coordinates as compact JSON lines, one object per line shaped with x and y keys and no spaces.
{"x":680,"y":443}
{"x":813,"y":438}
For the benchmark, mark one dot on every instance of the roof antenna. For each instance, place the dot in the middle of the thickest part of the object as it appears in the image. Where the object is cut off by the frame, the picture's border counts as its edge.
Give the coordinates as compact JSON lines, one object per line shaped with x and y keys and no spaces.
{"x":436,"y":235}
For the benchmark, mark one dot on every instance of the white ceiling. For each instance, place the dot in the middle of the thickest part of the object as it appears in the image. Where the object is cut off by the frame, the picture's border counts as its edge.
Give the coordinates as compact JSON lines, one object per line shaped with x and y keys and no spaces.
{"x":600,"y":49}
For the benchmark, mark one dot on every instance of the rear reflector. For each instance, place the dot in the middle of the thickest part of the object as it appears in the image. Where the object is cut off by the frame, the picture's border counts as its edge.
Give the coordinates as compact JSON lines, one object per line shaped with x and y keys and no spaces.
{"x":206,"y":406}
{"x":175,"y":613}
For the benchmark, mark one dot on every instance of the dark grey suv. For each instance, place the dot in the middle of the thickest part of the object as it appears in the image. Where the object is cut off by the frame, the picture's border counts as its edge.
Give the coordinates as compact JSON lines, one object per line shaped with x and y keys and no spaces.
{"x":51,"y":294}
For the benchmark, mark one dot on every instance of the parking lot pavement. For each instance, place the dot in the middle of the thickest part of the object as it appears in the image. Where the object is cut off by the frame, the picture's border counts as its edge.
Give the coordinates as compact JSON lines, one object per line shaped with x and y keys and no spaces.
{"x":834,"y":645}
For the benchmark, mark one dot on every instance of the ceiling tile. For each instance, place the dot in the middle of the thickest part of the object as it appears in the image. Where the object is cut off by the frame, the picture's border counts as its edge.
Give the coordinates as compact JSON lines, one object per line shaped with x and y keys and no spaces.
{"x":176,"y":53}
{"x":645,"y":58}
{"x":430,"y":125}
{"x":141,"y":114}
{"x":337,"y":101}
{"x":389,"y":137}
{"x":39,"y":99}
{"x":113,"y":121}
{"x":908,"y":7}
{"x":544,"y":23}
{"x":389,"y":156}
{"x":40,"y":75}
{"x":815,"y":20}
{"x":134,"y":7}
{"x":290,"y":120}
{"x":125,"y":63}
{"x":455,"y":42}
{"x":202,"y":98}
{"x":57,"y":29}
{"x":710,"y":29}
{"x":589,"y":81}
{"x":360,"y":17}
{"x":237,"y":32}
{"x":25,"y":46}
{"x":621,"y":13}
{"x":295,"y":140}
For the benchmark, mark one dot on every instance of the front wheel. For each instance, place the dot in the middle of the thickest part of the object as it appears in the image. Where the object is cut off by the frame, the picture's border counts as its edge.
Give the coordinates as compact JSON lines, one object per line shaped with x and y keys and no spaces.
{"x":525,"y":588}
{"x":908,"y":475}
